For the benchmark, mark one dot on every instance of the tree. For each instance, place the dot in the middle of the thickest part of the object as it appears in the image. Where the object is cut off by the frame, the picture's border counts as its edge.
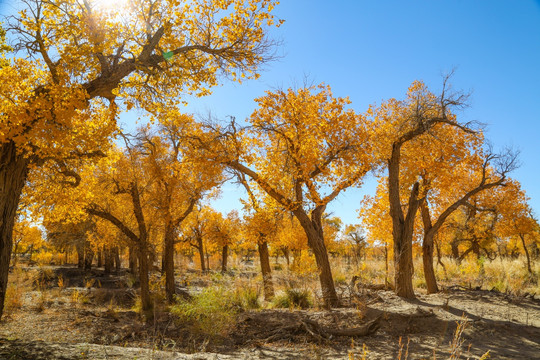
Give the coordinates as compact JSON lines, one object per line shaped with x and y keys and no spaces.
{"x":180,"y":180}
{"x":356,"y":236}
{"x":195,"y":229}
{"x":223,"y":233}
{"x":124,"y":202}
{"x":261,"y":222}
{"x":481,"y":177}
{"x":60,"y":103}
{"x":27,"y":238}
{"x":399,"y":123}
{"x":301,"y":143}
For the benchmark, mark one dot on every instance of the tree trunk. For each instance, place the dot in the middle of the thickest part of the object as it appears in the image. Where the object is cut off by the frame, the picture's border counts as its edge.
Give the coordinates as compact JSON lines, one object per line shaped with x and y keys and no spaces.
{"x":13,"y":173}
{"x":117,"y":261}
{"x":266,"y":270}
{"x":427,"y":258}
{"x":132,"y":261}
{"x":455,"y":249}
{"x":168,"y":263}
{"x":200,"y":248}
{"x":386,"y":282}
{"x":529,"y":269}
{"x":146,"y":303}
{"x":287,"y":254}
{"x":313,"y":229}
{"x":403,"y":260}
{"x":475,"y":247}
{"x":88,"y":257}
{"x":100,"y":257}
{"x":224,"y":256}
{"x":427,"y":249}
{"x":80,"y":255}
{"x":402,"y":226}
{"x":108,"y":260}
{"x":14,"y":255}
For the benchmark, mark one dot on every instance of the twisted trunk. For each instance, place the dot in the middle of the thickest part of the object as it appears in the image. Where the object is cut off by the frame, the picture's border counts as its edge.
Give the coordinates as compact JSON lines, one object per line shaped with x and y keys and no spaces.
{"x":402,"y":227}
{"x":13,"y":173}
{"x":314,"y":233}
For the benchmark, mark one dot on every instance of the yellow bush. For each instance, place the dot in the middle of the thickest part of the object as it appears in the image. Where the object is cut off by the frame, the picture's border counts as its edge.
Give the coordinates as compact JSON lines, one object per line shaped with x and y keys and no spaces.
{"x":305,"y":264}
{"x":44,"y":257}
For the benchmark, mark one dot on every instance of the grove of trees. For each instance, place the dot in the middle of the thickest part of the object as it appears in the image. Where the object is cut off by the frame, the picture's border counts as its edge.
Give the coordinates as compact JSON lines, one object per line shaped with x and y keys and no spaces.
{"x":70,"y":67}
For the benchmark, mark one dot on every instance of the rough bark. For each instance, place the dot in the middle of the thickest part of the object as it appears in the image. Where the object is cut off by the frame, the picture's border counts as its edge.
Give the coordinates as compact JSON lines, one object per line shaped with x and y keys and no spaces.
{"x":402,"y":227}
{"x":13,"y":173}
{"x":266,"y":270}
{"x":427,"y":250}
{"x":314,"y":232}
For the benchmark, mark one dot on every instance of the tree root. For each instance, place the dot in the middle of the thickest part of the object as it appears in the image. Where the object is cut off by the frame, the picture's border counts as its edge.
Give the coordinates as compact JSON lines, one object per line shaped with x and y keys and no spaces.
{"x":319,"y":333}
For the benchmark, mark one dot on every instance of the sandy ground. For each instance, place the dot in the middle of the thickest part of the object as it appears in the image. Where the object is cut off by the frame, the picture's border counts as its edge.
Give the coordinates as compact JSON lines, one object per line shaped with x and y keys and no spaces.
{"x":59,"y":328}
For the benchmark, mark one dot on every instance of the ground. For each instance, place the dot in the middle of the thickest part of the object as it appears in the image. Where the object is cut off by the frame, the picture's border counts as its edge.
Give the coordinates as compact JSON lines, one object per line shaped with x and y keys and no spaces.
{"x":76,"y":320}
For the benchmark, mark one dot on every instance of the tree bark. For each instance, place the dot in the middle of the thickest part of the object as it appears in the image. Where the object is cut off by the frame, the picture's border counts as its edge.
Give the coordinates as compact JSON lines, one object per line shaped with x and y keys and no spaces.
{"x":224,"y":256}
{"x":427,"y":250}
{"x":146,"y":303}
{"x":314,"y":232}
{"x":200,"y":248}
{"x":13,"y":173}
{"x":266,"y":270}
{"x":117,"y":261}
{"x":402,"y":226}
{"x":132,"y":261}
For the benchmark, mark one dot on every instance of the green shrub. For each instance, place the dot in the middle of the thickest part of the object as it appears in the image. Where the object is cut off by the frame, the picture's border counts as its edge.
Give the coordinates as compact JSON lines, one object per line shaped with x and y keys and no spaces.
{"x":247,"y":297}
{"x":293,"y":298}
{"x":212,"y":312}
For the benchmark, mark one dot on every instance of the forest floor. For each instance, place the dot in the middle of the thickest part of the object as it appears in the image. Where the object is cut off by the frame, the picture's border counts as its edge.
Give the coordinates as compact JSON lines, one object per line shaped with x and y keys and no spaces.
{"x":69,"y":314}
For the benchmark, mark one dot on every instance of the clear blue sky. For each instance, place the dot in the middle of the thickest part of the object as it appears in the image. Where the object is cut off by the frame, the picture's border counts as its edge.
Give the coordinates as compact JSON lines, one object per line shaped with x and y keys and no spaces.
{"x":372,"y":50}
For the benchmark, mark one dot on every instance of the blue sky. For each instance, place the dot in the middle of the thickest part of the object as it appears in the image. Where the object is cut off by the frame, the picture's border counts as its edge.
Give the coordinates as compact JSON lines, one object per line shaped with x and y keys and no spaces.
{"x":373,"y":50}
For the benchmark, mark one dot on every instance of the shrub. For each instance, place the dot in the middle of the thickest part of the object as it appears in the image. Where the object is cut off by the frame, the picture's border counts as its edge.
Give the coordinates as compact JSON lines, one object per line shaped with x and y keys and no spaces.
{"x":293,"y":298}
{"x":212,"y":312}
